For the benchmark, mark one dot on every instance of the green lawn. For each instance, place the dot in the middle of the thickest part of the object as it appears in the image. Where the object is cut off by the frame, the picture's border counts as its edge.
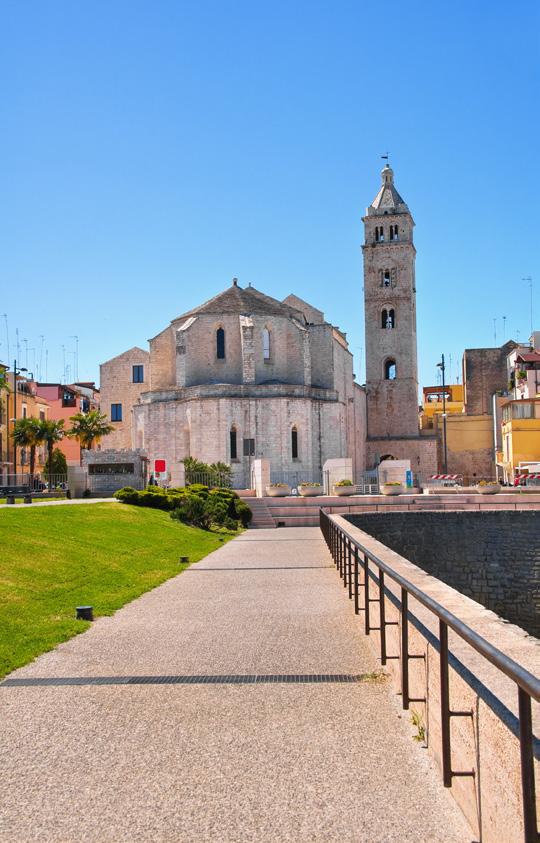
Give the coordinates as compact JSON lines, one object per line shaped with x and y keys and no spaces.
{"x":53,"y":559}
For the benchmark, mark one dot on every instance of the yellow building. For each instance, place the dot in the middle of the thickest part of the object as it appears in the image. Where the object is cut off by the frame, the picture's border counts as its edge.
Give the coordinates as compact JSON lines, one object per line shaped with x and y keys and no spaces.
{"x":432,"y":403}
{"x":520,"y":435}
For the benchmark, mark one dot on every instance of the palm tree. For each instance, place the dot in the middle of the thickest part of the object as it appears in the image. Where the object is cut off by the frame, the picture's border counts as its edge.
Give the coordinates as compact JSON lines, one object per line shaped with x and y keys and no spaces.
{"x":51,"y":432}
{"x":26,"y":433}
{"x":89,"y":427}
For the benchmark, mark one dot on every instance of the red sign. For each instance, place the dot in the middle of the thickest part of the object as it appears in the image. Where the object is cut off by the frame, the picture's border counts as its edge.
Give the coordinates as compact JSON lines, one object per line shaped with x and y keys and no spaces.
{"x":160,"y":466}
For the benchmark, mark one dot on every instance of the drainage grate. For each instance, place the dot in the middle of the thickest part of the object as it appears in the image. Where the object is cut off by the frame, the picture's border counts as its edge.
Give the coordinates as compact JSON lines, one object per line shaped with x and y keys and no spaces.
{"x":226,"y":679}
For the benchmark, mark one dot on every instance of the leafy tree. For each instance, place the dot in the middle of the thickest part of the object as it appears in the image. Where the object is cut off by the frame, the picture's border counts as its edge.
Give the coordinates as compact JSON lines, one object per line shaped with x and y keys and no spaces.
{"x":89,"y":427}
{"x":51,"y":431}
{"x":26,"y":433}
{"x":59,"y":463}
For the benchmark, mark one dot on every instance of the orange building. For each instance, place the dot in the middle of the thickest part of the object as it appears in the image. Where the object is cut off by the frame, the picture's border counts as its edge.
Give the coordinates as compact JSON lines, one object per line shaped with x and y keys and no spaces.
{"x":67,"y":401}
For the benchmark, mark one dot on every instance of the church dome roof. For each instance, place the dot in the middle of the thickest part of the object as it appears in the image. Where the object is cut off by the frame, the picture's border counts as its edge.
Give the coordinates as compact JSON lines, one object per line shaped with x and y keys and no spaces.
{"x":243,"y":301}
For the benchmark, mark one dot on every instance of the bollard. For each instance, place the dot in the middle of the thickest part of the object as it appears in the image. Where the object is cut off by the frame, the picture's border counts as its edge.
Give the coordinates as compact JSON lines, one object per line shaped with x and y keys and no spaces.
{"x":184,"y":560}
{"x":10,"y":499}
{"x":85,"y":613}
{"x":28,"y":498}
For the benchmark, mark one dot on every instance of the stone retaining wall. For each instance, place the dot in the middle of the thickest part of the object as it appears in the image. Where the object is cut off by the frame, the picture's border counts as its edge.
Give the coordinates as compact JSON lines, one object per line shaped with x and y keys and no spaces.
{"x":492,"y":557}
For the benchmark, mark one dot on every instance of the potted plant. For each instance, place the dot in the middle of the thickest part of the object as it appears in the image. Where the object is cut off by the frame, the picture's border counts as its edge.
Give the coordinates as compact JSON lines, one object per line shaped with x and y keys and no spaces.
{"x":278,"y":490}
{"x":343,"y":487}
{"x":392,"y":487}
{"x":488,"y":487}
{"x":309,"y":489}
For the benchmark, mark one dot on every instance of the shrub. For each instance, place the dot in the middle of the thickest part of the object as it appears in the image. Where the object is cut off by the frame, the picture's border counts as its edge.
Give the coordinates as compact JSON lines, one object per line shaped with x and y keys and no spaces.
{"x":127,"y":495}
{"x":192,"y":510}
{"x":344,"y":483}
{"x":217,"y":510}
{"x":230,"y":524}
{"x":198,"y":489}
{"x":156,"y":500}
{"x":243,"y":512}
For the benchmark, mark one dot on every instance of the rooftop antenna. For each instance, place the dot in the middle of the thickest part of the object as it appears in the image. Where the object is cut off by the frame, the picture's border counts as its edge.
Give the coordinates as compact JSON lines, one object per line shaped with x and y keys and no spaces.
{"x":76,"y":352}
{"x":25,"y":341}
{"x":495,"y":329}
{"x":530,"y":281}
{"x":42,"y":338}
{"x":17,"y":343}
{"x":46,"y":364}
{"x":63,"y":364}
{"x":504,"y":328}
{"x":4,"y":317}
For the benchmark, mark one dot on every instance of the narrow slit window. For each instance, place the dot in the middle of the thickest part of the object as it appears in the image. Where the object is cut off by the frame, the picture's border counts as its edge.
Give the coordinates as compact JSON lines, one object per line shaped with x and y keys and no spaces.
{"x":384,"y":317}
{"x":294,"y":443}
{"x":266,"y":344}
{"x":220,"y":344}
{"x":387,"y":281}
{"x":233,"y":444}
{"x":390,"y":370}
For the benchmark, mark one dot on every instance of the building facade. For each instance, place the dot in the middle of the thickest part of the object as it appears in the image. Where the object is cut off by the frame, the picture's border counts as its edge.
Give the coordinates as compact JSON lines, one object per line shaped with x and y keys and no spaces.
{"x":65,"y":401}
{"x":390,"y":330}
{"x":243,"y":376}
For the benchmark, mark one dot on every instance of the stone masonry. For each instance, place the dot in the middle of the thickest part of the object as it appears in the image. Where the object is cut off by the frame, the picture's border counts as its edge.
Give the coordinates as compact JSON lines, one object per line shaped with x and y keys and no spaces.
{"x":118,"y":387}
{"x":492,"y":557}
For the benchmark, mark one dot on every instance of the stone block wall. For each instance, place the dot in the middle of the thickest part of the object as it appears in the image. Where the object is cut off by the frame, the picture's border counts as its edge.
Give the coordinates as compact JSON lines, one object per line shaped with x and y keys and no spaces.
{"x":491,"y":557}
{"x":117,"y":387}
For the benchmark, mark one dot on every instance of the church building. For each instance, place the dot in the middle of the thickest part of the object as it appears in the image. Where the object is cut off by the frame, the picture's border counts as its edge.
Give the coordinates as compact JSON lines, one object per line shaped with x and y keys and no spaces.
{"x":242,"y":376}
{"x":245,"y":376}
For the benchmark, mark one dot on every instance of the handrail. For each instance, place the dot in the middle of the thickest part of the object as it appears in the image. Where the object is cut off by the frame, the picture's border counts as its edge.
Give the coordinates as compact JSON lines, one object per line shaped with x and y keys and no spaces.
{"x":343,"y":546}
{"x":520,"y":675}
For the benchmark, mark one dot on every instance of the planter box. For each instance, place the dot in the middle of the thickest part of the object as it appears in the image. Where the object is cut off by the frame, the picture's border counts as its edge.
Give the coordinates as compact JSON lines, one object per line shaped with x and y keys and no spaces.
{"x":310,"y":491}
{"x":343,"y":490}
{"x":391,"y":490}
{"x":488,"y":490}
{"x":278,"y":491}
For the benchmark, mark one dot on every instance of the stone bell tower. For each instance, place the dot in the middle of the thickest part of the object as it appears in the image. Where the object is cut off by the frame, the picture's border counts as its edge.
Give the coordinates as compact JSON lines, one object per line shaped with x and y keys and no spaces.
{"x":390,"y":323}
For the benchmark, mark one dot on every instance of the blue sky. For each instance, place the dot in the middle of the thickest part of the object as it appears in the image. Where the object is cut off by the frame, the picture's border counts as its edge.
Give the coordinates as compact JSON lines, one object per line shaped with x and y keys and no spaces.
{"x":153,"y":150}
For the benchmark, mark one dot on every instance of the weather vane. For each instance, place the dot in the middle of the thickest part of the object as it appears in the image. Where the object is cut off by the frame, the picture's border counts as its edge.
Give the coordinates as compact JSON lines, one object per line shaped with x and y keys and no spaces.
{"x":386,"y":157}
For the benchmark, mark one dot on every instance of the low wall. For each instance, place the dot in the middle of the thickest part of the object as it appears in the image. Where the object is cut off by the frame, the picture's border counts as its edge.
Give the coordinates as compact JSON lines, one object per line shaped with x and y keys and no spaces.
{"x":484,"y":743}
{"x":492,"y":557}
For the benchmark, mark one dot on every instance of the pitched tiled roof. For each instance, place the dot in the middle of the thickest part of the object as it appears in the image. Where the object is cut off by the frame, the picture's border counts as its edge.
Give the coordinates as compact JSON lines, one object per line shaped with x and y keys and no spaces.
{"x":245,"y":300}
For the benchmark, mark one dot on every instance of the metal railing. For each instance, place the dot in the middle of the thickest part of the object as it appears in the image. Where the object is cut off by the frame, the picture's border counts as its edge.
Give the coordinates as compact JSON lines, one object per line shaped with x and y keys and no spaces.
{"x":346,"y":552}
{"x":209,"y":478}
{"x":33,"y":483}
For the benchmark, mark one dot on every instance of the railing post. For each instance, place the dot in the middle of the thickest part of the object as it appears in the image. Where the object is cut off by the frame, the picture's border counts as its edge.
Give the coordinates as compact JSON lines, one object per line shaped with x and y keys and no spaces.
{"x":349,"y":570}
{"x":346,"y":557}
{"x":366,"y":593}
{"x":382,"y":617}
{"x":404,"y":648}
{"x":445,"y":704}
{"x":527,"y":767}
{"x":356,"y":606}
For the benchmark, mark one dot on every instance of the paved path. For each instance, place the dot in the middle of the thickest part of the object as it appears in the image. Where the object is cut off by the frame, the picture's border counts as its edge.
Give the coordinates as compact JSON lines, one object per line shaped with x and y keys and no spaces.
{"x":187,"y":763}
{"x":55,"y":503}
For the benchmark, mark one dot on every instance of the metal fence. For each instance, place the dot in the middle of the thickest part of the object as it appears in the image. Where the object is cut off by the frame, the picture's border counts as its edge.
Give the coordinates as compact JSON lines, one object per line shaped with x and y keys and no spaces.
{"x":353,"y":561}
{"x":33,"y":483}
{"x":107,"y":483}
{"x":209,"y":478}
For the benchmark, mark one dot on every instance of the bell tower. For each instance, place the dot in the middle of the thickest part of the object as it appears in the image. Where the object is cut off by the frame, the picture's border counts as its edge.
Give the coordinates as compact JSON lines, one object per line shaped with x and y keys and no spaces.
{"x":390,"y":319}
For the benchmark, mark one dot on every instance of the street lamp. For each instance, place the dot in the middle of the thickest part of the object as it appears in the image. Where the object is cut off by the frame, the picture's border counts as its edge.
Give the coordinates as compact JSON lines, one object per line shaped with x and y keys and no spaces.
{"x":442,"y":367}
{"x":16,"y":372}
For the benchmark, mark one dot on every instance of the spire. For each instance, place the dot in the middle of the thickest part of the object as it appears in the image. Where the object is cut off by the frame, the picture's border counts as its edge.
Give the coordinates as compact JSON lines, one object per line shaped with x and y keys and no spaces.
{"x":387,"y":199}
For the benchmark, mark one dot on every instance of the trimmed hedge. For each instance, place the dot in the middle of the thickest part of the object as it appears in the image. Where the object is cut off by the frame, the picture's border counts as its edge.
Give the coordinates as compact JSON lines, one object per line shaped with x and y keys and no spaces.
{"x":195,"y":504}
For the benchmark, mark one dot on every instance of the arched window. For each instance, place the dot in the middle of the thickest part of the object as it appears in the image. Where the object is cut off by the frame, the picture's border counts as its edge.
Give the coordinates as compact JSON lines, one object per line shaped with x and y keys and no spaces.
{"x":390,"y":370}
{"x":267,"y":349}
{"x":390,"y":319}
{"x":220,"y":344}
{"x":384,"y":317}
{"x":387,"y":278}
{"x":233,"y":443}
{"x":394,"y":232}
{"x":294,"y":443}
{"x":381,"y":234}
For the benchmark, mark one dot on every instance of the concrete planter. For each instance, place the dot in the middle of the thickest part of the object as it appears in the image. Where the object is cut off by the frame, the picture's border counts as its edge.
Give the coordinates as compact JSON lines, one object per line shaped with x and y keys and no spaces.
{"x":310,"y":491}
{"x":278,"y":491}
{"x":391,"y":490}
{"x":341,"y":491}
{"x":488,"y":490}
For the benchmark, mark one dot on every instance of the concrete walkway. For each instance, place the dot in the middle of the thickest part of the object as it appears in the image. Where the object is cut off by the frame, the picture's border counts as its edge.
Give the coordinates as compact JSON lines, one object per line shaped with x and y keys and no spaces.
{"x":55,"y":503}
{"x":216,"y":760}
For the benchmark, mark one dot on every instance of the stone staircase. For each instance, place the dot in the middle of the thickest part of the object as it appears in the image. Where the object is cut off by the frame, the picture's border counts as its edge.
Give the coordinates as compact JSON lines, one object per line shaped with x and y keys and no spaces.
{"x":262,"y":517}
